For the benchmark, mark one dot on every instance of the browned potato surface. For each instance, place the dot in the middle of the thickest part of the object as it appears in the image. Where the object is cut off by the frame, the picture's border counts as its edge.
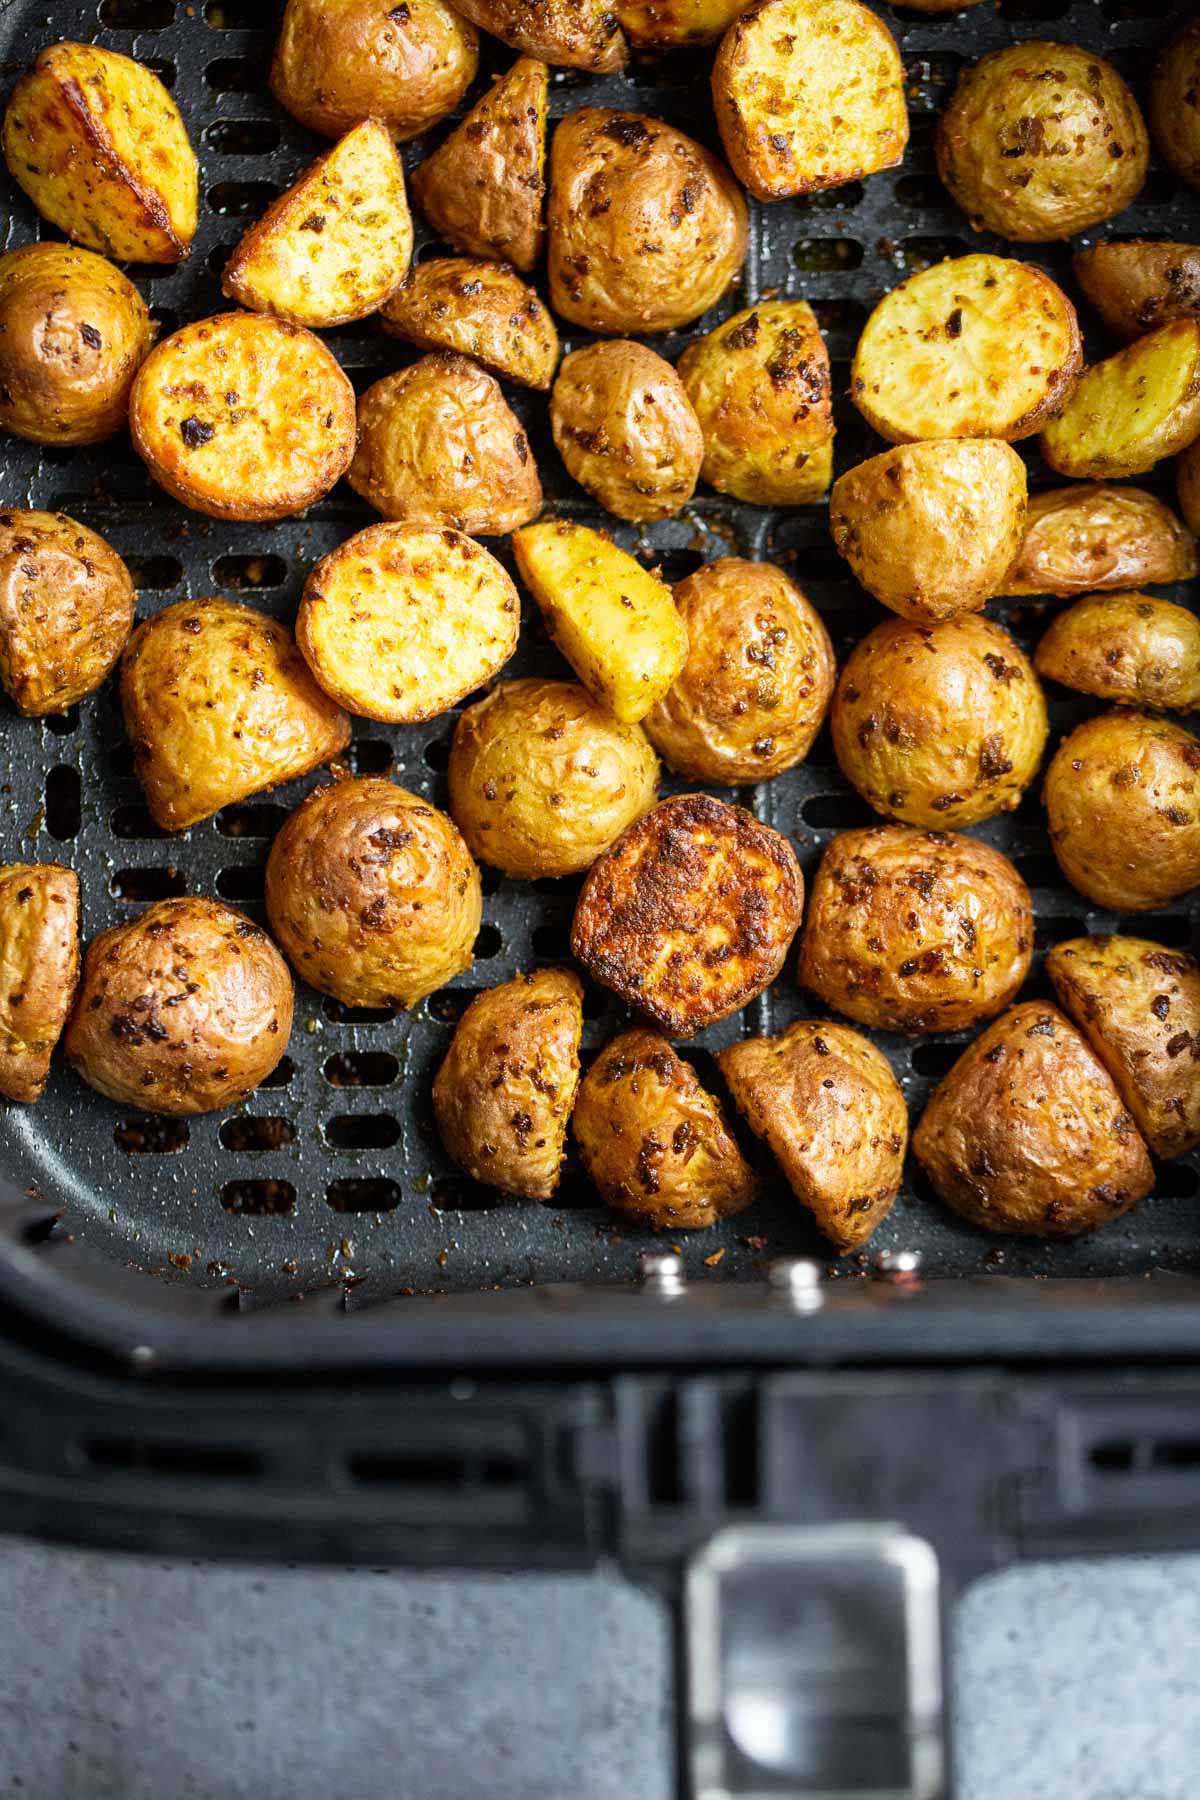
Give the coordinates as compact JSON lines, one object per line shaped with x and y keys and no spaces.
{"x":1187,"y":487}
{"x":481,"y":309}
{"x":483,"y":189}
{"x":1174,"y":115}
{"x":66,"y":608}
{"x":625,"y":428}
{"x":572,"y":34}
{"x":39,"y":971}
{"x":1127,"y":647}
{"x":676,"y":24}
{"x":1131,"y":410}
{"x":1083,"y":538}
{"x":1136,"y":285}
{"x":339,"y":61}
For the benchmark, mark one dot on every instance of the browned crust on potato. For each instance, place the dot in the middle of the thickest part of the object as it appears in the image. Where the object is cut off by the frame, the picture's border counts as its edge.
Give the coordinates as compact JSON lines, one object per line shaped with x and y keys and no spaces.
{"x":571,"y":34}
{"x":66,"y":609}
{"x":1092,"y":536}
{"x":408,"y":65}
{"x":1133,"y":648}
{"x":1138,"y":284}
{"x":1173,"y":112}
{"x":483,"y":189}
{"x":481,"y":309}
{"x":39,"y":971}
{"x":624,"y":427}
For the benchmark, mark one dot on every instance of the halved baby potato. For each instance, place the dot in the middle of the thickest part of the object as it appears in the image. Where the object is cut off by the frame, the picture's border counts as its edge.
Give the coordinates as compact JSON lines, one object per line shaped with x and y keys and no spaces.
{"x":1080,"y":539}
{"x":339,"y":61}
{"x":39,"y":971}
{"x":481,"y":309}
{"x":483,"y":189}
{"x":1137,"y":284}
{"x":1174,"y":116}
{"x":624,"y":427}
{"x":572,"y":34}
{"x":66,"y":609}
{"x":1131,"y":410}
{"x":1132,"y":648}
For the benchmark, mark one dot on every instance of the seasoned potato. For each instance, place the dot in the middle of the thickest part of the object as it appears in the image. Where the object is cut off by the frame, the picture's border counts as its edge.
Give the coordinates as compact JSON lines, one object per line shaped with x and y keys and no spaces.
{"x":676,"y":24}
{"x":1028,"y":1136}
{"x":625,"y":428}
{"x":939,"y":725}
{"x":98,"y":144}
{"x":646,"y":228}
{"x":1122,"y":801}
{"x":39,"y":971}
{"x":243,"y":416}
{"x":1187,"y":487}
{"x":932,"y":529}
{"x":654,"y":1142}
{"x":915,"y":930}
{"x":339,"y":61}
{"x":336,"y":245}
{"x":1174,"y":116}
{"x":483,"y":189}
{"x":184,"y":1009}
{"x":615,"y":623}
{"x":542,"y":779}
{"x":978,"y":346}
{"x":1137,"y":285}
{"x":809,"y":94}
{"x":758,"y":678}
{"x":503,"y":1096}
{"x":760,"y":387}
{"x":1127,"y":647}
{"x":66,"y":608}
{"x":480,"y":309}
{"x":72,"y":334}
{"x":572,"y":34}
{"x":1131,"y":410}
{"x":372,"y":895}
{"x":219,"y":704}
{"x":691,"y":912}
{"x":825,"y":1101}
{"x":1079,"y":539}
{"x":438,"y":444}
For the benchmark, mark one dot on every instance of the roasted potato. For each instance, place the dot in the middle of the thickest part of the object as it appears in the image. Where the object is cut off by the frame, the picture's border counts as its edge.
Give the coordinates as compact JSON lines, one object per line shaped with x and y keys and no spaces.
{"x":827,"y":1104}
{"x":625,"y":428}
{"x":915,"y":930}
{"x":542,"y":779}
{"x":483,"y":189}
{"x":571,"y":34}
{"x":1028,"y":1136}
{"x":438,"y":444}
{"x":1137,"y":285}
{"x":758,"y":678}
{"x":690,"y":913}
{"x":98,"y":144}
{"x":184,"y":1009}
{"x":646,"y":228}
{"x":1122,"y":801}
{"x":39,"y":971}
{"x":243,"y":416}
{"x":1138,"y":1005}
{"x":676,"y":24}
{"x":66,"y":608}
{"x":219,"y":704}
{"x":932,"y":529}
{"x":481,"y":309}
{"x":372,"y":895}
{"x":1174,"y":115}
{"x":654,"y":1142}
{"x":339,"y":61}
{"x":760,"y":386}
{"x":978,"y":346}
{"x":503,"y":1096}
{"x":1131,"y":410}
{"x":72,"y":334}
{"x":615,"y":623}
{"x":1080,"y":539}
{"x":1187,"y":487}
{"x":939,"y":725}
{"x":1127,"y":647}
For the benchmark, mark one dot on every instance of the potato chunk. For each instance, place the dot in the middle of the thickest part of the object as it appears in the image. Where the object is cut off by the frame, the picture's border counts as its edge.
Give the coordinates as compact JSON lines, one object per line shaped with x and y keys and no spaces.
{"x":1136,"y":285}
{"x":66,"y":609}
{"x":676,"y":24}
{"x":1127,"y":647}
{"x":483,"y":189}
{"x":1079,"y":539}
{"x":1131,"y":410}
{"x":1174,"y":117}
{"x":572,"y":34}
{"x":480,"y":309}
{"x":625,"y":429}
{"x":339,"y":61}
{"x":39,"y":971}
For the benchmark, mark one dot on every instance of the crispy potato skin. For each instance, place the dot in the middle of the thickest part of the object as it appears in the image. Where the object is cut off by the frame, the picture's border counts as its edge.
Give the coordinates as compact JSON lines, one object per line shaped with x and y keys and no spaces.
{"x":624,"y":427}
{"x":1138,"y":285}
{"x":1131,"y":410}
{"x":1128,"y":647}
{"x":481,"y":309}
{"x":827,"y":1104}
{"x":654,"y":1142}
{"x":219,"y":704}
{"x":1174,"y":121}
{"x":571,"y":34}
{"x":1081,"y":539}
{"x":932,"y":529}
{"x":690,"y":914}
{"x":66,"y":609}
{"x":676,"y":24}
{"x":939,"y":725}
{"x":39,"y":971}
{"x":483,"y":189}
{"x":1122,"y":800}
{"x":503,"y":1096}
{"x":1187,"y":487}
{"x":758,"y":678}
{"x":1027,"y":1136}
{"x":915,"y":931}
{"x":339,"y":61}
{"x":372,"y":894}
{"x":542,"y":779}
{"x":620,"y":182}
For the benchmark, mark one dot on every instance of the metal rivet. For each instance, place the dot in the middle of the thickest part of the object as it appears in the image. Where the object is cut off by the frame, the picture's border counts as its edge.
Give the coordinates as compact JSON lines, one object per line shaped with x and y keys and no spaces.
{"x":797,"y":1279}
{"x":661,"y":1273}
{"x":903,"y":1267}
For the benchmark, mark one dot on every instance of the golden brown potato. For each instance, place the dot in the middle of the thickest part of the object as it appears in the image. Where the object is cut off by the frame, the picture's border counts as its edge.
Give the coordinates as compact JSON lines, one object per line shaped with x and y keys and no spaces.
{"x":654,"y":1142}
{"x":625,"y":428}
{"x":542,"y":779}
{"x":438,"y":444}
{"x":1081,"y":539}
{"x":932,"y":529}
{"x":1028,"y":1136}
{"x":571,"y":34}
{"x":481,"y":309}
{"x":66,"y":608}
{"x":372,"y":894}
{"x":1138,"y":1005}
{"x":483,"y":189}
{"x":758,"y":678}
{"x":691,"y":912}
{"x":1122,"y":801}
{"x":676,"y":24}
{"x":339,"y":61}
{"x":760,"y":387}
{"x":97,"y":143}
{"x":1131,"y":410}
{"x":1127,"y":647}
{"x":219,"y":704}
{"x":1174,"y":116}
{"x":1137,"y":285}
{"x":503,"y":1096}
{"x":646,"y":228}
{"x":72,"y":334}
{"x":915,"y":930}
{"x":39,"y":971}
{"x":825,"y":1101}
{"x":939,"y":725}
{"x":1187,"y":487}
{"x":809,"y":94}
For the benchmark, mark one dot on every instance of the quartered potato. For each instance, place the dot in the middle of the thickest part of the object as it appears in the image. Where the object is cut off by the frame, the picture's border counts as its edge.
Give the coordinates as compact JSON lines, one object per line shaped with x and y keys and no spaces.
{"x":1080,"y":539}
{"x":978,"y":346}
{"x":39,"y":971}
{"x":66,"y":609}
{"x":483,"y":189}
{"x":1174,"y":115}
{"x":481,"y":309}
{"x":1136,"y":285}
{"x":625,"y":429}
{"x":339,"y":61}
{"x":676,"y":24}
{"x":97,"y":143}
{"x":828,"y":1106}
{"x":1131,"y":410}
{"x":691,"y":912}
{"x":1127,"y":647}
{"x":571,"y":34}
{"x":615,"y":623}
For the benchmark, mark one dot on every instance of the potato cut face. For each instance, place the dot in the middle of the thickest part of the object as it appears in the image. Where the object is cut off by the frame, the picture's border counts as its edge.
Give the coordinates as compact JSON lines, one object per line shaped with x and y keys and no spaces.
{"x":1079,"y":539}
{"x":676,"y":24}
{"x":484,"y":189}
{"x":39,"y":971}
{"x":1139,"y":285}
{"x":1131,"y":410}
{"x":1132,"y":648}
{"x":572,"y":34}
{"x":481,"y":309}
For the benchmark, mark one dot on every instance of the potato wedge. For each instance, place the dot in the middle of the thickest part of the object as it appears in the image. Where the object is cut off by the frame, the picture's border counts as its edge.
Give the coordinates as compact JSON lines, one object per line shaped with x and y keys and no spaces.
{"x":339,"y":61}
{"x":66,"y":609}
{"x":676,"y":24}
{"x":483,"y":189}
{"x":1082,"y":539}
{"x":39,"y":971}
{"x":1174,"y":116}
{"x":1127,"y":647}
{"x":1187,"y":487}
{"x":1131,"y":410}
{"x":570,"y":34}
{"x":624,"y":427}
{"x":481,"y":309}
{"x":1137,"y":285}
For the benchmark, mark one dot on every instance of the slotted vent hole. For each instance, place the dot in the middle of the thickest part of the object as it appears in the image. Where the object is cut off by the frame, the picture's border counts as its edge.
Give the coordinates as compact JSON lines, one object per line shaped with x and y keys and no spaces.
{"x":489,"y":943}
{"x":338,"y":1013}
{"x":933,"y":1060}
{"x":233,"y":75}
{"x":362,"y":1131}
{"x":237,"y":15}
{"x":1136,"y":1456}
{"x":251,"y":819}
{"x":837,"y":812}
{"x":243,"y":137}
{"x":259,"y":1199}
{"x":154,"y":574}
{"x":241,"y":573}
{"x":137,"y":15}
{"x":200,"y":1461}
{"x":824,"y":255}
{"x":369,"y":756}
{"x":456,"y":1194}
{"x":440,"y":1470}
{"x":64,"y":723}
{"x":145,"y":885}
{"x":132,"y":820}
{"x":154,"y":1136}
{"x":915,"y":253}
{"x":257,"y":1135}
{"x":64,"y":805}
{"x":363,"y":1194}
{"x":280,"y":1077}
{"x":361,"y":1069}
{"x":240,"y":199}
{"x":242,"y":882}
